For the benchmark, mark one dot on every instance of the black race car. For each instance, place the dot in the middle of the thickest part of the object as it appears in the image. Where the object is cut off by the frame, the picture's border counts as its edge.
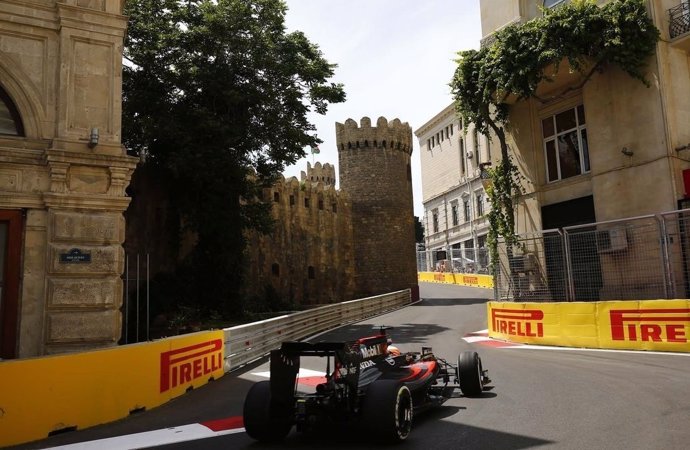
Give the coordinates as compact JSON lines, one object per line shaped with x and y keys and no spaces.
{"x":367,"y":387}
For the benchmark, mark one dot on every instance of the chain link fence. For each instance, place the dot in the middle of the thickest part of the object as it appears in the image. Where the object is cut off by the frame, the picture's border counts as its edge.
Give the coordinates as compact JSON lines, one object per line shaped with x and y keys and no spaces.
{"x":454,"y":260}
{"x":639,"y":258}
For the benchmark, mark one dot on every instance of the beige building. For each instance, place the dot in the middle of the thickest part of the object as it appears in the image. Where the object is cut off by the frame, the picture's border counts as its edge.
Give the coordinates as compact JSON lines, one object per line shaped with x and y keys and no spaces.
{"x":629,"y":142}
{"x":609,"y":150}
{"x":63,"y":172}
{"x":455,"y":202}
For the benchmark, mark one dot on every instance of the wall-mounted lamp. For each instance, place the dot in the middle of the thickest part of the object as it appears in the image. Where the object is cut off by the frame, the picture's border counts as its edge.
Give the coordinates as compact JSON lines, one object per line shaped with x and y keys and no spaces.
{"x":627,"y":152}
{"x":93,"y":138}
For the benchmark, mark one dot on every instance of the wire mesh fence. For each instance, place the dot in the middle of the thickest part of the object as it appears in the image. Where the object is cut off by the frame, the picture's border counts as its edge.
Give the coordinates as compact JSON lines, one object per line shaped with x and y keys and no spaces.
{"x":454,"y":259}
{"x":638,"y":258}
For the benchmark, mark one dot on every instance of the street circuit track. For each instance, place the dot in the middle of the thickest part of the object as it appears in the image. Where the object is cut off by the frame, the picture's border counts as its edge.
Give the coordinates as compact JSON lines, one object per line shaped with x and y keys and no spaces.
{"x":556,"y":399}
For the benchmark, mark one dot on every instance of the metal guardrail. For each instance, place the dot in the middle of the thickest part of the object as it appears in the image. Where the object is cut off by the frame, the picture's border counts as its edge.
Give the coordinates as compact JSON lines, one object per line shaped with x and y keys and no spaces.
{"x":249,"y":342}
{"x":637,"y":258}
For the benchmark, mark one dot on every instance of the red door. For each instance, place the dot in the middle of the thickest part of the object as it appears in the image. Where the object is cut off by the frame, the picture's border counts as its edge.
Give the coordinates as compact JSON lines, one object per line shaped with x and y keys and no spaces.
{"x":10,"y":260}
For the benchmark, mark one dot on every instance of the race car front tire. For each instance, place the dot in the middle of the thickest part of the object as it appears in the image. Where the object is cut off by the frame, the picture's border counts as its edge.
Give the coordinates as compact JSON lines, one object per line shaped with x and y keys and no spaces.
{"x":259,"y":423}
{"x":387,"y":411}
{"x":470,"y":374}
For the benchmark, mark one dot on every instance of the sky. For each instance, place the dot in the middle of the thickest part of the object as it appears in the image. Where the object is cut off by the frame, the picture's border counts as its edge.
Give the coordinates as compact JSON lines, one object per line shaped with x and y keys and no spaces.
{"x":395,"y":58}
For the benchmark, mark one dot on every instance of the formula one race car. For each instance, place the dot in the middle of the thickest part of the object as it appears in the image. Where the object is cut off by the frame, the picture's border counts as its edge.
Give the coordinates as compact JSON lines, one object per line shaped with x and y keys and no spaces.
{"x":368,"y":388}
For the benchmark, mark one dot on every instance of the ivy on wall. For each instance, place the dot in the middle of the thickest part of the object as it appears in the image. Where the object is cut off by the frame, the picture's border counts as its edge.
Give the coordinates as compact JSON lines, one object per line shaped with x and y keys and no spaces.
{"x":587,"y":37}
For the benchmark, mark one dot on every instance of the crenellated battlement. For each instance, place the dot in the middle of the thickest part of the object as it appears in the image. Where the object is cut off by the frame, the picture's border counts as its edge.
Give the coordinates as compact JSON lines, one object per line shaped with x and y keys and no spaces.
{"x":319,"y":173}
{"x":394,"y":135}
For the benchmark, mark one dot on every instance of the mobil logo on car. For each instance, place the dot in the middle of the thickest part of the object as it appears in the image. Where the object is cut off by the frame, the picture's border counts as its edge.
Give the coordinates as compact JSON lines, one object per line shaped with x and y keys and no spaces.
{"x":650,"y":325}
{"x":518,"y":322}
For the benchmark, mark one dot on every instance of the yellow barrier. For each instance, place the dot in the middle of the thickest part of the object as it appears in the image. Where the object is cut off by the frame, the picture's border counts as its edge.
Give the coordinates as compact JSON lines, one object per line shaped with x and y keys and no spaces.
{"x":43,"y":395}
{"x":660,"y":325}
{"x":461,"y":279}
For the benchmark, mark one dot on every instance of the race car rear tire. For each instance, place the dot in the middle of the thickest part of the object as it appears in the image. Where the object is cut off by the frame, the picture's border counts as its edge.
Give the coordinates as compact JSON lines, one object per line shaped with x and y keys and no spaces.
{"x":259,"y":423}
{"x":470,"y":374}
{"x":387,"y":411}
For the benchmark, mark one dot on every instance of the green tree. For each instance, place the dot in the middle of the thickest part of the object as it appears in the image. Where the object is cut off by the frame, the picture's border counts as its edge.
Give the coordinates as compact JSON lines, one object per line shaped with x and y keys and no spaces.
{"x":216,"y":95}
{"x":587,"y":37}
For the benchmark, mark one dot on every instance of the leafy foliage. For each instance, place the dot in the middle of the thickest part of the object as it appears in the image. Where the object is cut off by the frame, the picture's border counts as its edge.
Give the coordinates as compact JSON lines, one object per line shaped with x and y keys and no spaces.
{"x":216,"y":94}
{"x":587,"y":37}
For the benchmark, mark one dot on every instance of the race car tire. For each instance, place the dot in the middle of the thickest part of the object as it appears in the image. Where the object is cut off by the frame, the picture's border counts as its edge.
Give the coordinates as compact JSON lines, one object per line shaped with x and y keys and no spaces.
{"x":470,"y":374}
{"x":387,"y":411}
{"x":258,"y":421}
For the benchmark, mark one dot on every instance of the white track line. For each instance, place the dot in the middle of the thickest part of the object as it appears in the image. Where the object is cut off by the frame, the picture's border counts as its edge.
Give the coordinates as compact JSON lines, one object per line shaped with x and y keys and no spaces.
{"x":149,"y":439}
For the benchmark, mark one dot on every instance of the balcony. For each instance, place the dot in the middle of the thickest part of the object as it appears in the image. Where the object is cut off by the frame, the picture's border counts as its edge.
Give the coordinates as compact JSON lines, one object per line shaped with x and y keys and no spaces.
{"x":679,"y":26}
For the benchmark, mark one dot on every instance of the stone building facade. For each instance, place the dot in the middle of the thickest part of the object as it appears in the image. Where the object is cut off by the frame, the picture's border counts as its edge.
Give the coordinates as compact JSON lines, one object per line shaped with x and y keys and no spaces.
{"x":456,"y":206}
{"x":611,"y":148}
{"x":63,"y":174}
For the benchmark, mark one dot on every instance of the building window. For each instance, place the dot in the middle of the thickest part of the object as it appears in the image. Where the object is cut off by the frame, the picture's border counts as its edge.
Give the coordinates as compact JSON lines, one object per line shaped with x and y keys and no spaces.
{"x":451,"y":129}
{"x":462,"y":156}
{"x":565,"y":144}
{"x":435,"y":220}
{"x":475,"y":135}
{"x":321,"y":204}
{"x":428,"y":144}
{"x":552,"y":3}
{"x":488,"y":149}
{"x":306,"y":202}
{"x":454,"y":212}
{"x":10,"y":121}
{"x":276,"y":197}
{"x":469,"y":250}
{"x":311,"y":272}
{"x":275,"y":269}
{"x":335,"y":207}
{"x":480,"y":204}
{"x":292,"y":200}
{"x":466,"y":209}
{"x":433,"y":142}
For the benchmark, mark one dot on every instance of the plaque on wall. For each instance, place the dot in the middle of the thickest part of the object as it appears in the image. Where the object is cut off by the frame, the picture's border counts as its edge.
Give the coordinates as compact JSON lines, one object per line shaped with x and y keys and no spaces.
{"x":75,"y":256}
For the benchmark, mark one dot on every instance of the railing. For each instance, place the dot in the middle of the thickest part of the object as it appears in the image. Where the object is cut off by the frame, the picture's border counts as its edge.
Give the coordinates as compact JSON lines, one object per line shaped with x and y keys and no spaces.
{"x":679,"y":19}
{"x":454,"y":260}
{"x":246,"y":343}
{"x":638,"y":258}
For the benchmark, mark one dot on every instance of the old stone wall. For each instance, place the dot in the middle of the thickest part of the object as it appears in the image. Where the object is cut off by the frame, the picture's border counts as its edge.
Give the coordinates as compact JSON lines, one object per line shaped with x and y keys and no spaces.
{"x":308,"y":258}
{"x":375,"y":172}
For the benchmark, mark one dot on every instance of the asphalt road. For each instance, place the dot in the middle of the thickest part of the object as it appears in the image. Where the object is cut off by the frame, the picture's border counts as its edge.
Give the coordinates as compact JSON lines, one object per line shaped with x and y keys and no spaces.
{"x":541,"y":398}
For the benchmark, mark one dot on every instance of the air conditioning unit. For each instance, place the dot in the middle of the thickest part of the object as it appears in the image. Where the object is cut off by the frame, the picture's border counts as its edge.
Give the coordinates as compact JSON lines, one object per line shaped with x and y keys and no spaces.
{"x":612,"y":240}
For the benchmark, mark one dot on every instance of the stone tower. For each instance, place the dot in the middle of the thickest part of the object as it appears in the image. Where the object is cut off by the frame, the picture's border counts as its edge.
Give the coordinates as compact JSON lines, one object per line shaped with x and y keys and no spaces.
{"x":375,"y":172}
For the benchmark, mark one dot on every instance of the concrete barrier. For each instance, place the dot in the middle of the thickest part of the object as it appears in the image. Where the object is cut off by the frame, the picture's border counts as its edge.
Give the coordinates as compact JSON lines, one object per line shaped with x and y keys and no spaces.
{"x":42,"y":396}
{"x":659,"y":325}
{"x":460,"y":279}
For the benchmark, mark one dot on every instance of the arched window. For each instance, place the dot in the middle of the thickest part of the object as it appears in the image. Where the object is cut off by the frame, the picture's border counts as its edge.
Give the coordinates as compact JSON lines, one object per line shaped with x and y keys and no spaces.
{"x":10,"y":121}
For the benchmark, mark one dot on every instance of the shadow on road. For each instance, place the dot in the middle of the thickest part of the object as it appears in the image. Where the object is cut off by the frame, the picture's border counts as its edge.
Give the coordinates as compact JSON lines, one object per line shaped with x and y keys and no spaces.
{"x":408,"y":333}
{"x":450,"y":301}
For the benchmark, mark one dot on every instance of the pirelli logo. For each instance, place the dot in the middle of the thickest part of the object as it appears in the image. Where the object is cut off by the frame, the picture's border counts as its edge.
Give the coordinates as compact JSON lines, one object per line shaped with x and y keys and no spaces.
{"x":652,"y":325}
{"x":470,"y":280}
{"x":518,"y":322}
{"x":186,"y":364}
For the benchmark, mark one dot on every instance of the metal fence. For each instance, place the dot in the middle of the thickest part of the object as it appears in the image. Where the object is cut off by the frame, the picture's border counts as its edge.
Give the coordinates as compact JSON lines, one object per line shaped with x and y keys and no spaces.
{"x":639,"y":258}
{"x":455,"y":260}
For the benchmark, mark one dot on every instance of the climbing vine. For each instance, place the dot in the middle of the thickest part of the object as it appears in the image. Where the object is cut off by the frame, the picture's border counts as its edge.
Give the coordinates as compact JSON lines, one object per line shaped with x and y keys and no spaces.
{"x":587,"y":37}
